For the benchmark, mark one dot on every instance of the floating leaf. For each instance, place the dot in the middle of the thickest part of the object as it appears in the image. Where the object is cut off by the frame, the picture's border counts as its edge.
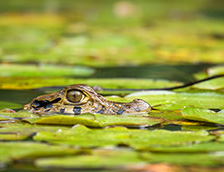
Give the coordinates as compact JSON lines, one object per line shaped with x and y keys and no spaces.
{"x":171,"y":138}
{"x":202,"y":159}
{"x":17,"y":70}
{"x":98,"y":120}
{"x":169,"y":116}
{"x":87,"y":120}
{"x":168,"y":100}
{"x":203,"y":115}
{"x":213,"y":84}
{"x":9,"y":105}
{"x":128,"y":120}
{"x":28,"y":150}
{"x":199,"y":127}
{"x":194,"y":148}
{"x":18,"y":115}
{"x":98,"y":159}
{"x":217,"y":70}
{"x":21,"y":131}
{"x":29,"y":83}
{"x":12,"y":136}
{"x":220,"y":135}
{"x":139,"y":139}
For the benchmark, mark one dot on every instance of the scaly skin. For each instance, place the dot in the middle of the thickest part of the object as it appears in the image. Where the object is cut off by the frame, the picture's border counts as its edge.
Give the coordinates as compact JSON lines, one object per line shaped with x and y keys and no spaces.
{"x":91,"y":103}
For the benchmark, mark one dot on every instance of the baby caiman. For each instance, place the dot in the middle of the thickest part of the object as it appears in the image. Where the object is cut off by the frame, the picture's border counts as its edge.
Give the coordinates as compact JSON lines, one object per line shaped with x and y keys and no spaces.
{"x":78,"y":99}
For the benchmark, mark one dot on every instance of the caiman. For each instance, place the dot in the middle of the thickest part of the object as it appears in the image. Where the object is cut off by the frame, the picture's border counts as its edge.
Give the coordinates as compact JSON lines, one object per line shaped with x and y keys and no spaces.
{"x":78,"y":99}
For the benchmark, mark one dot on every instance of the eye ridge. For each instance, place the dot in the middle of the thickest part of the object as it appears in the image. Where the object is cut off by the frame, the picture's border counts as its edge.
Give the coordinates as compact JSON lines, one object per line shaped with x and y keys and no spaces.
{"x":75,"y":96}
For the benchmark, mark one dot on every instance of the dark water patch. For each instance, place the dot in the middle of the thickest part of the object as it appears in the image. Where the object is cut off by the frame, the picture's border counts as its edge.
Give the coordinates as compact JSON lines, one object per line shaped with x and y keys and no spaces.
{"x":181,"y":73}
{"x":18,"y":96}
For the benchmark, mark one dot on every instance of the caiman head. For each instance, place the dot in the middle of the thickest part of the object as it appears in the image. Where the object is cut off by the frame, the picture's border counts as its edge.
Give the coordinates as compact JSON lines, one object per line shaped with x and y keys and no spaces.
{"x":79,"y":99}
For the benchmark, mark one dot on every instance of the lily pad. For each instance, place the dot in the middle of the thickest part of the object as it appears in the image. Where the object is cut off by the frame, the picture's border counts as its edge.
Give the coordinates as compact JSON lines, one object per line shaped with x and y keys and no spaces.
{"x":17,"y":115}
{"x":17,"y":70}
{"x":98,"y":120}
{"x":194,"y":148}
{"x":29,"y":83}
{"x":199,"y":127}
{"x":220,"y":135}
{"x":203,"y":115}
{"x":21,"y":131}
{"x":10,"y":105}
{"x":85,"y":119}
{"x":202,"y":159}
{"x":217,"y":70}
{"x":98,"y":159}
{"x":213,"y":84}
{"x":168,"y":100}
{"x":11,"y":151}
{"x":138,"y":139}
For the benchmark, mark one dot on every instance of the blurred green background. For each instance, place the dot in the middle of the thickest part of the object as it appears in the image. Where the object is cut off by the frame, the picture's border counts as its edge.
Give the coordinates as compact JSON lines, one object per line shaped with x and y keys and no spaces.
{"x":110,"y":33}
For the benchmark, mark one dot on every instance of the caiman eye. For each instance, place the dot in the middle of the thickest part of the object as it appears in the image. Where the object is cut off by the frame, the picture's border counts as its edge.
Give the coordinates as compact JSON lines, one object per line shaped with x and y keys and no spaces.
{"x":75,"y":96}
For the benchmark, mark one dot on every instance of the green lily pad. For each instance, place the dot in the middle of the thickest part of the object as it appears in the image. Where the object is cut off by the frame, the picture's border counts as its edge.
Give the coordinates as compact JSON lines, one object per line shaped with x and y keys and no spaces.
{"x":9,"y":105}
{"x":97,"y":120}
{"x":17,"y":70}
{"x":102,"y":159}
{"x":169,"y":116}
{"x":21,"y":131}
{"x":168,"y":100}
{"x":128,"y":120}
{"x":202,"y":159}
{"x":11,"y":151}
{"x":217,"y":70}
{"x":213,"y":84}
{"x":220,"y":135}
{"x":199,"y":127}
{"x":156,"y":138}
{"x":12,"y":136}
{"x":138,"y":139}
{"x":194,"y":148}
{"x":203,"y":115}
{"x":19,"y":114}
{"x":85,"y":119}
{"x":29,"y":83}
